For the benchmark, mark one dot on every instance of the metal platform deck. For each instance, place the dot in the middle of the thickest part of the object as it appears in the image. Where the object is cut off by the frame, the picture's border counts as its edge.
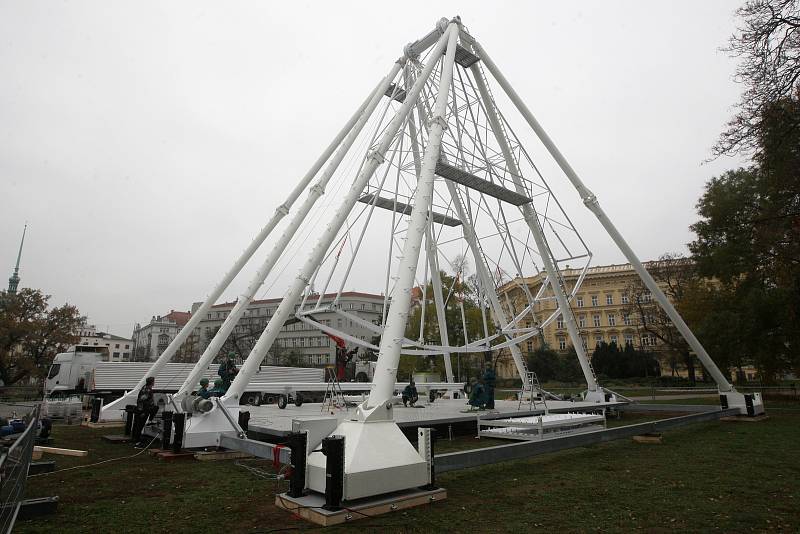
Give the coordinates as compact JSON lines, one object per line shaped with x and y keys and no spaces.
{"x":270,"y":421}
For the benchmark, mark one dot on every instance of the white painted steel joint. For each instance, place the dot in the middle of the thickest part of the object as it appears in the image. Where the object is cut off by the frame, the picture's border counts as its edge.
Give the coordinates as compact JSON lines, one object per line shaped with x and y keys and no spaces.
{"x":440,"y":120}
{"x":318,"y":189}
{"x":283,"y":209}
{"x":376,"y":156}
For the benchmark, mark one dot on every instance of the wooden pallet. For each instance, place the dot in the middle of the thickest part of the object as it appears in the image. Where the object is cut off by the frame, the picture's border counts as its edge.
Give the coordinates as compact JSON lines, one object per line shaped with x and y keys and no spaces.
{"x":309,"y":507}
{"x":104,"y":424}
{"x":648,"y":438}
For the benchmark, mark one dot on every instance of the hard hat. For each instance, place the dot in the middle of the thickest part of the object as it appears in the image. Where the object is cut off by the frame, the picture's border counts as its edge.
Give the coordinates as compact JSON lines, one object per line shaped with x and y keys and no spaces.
{"x":218,"y":382}
{"x":204,"y":381}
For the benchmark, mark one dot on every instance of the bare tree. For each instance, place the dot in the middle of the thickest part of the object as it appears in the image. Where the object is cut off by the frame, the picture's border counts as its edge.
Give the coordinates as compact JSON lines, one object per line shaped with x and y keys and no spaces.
{"x":768,"y":44}
{"x":675,"y":274}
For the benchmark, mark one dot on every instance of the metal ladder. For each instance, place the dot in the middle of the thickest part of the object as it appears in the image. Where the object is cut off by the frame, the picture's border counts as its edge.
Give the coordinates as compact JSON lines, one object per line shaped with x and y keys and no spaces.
{"x":334,"y":396}
{"x":531,"y":386}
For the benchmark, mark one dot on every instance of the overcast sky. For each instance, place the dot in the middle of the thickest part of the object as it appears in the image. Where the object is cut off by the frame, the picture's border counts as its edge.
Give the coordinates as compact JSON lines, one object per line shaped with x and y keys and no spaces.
{"x":147,"y":142}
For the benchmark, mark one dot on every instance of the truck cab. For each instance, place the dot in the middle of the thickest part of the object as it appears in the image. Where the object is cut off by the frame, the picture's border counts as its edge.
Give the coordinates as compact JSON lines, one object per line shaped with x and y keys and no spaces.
{"x":71,"y":371}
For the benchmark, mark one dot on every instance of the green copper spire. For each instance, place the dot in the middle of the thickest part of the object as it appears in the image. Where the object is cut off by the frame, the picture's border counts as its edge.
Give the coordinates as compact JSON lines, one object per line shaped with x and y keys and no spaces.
{"x":13,"y":282}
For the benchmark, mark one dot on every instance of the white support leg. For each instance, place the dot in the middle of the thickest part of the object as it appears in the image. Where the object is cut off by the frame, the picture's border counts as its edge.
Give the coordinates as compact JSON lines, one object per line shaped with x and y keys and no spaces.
{"x":115,"y":409}
{"x":471,"y":237}
{"x":590,"y":200}
{"x":314,"y":194}
{"x":398,"y":465}
{"x":532,"y":221}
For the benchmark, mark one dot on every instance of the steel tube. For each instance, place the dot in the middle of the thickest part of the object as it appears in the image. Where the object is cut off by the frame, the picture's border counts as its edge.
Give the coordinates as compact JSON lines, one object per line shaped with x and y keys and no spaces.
{"x":286,"y":306}
{"x":212,"y":297}
{"x":277,"y":250}
{"x":397,"y":318}
{"x":590,"y":200}
{"x":532,"y":220}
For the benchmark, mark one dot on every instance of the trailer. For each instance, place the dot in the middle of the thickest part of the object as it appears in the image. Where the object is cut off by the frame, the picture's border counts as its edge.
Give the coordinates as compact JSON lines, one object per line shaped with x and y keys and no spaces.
{"x":83,"y":371}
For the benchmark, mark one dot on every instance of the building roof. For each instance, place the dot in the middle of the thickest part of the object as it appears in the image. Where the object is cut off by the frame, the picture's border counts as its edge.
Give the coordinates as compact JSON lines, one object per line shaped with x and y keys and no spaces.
{"x":180,"y":318}
{"x":310,"y":298}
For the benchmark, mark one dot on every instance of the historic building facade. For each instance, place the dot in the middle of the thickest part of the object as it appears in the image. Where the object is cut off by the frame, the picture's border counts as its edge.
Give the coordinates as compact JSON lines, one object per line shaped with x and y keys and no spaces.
{"x":600,"y":307}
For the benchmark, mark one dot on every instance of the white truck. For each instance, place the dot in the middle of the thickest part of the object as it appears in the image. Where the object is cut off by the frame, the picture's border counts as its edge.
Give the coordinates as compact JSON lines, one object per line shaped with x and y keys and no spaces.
{"x":83,"y":370}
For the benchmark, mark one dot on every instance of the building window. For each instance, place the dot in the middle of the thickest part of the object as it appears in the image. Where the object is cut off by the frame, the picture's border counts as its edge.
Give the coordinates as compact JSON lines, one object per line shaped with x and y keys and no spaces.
{"x":579,"y":300}
{"x":594,"y":300}
{"x":596,"y":319}
{"x":609,"y":299}
{"x":116,"y":354}
{"x":612,"y":319}
{"x":127,"y":346}
{"x":625,"y":299}
{"x":581,"y":321}
{"x":562,"y":343}
{"x":560,"y":322}
{"x":529,"y":346}
{"x":116,"y":346}
{"x":584,"y":342}
{"x":647,"y":297}
{"x":626,"y":318}
{"x":597,"y":340}
{"x":614,"y":339}
{"x":629,"y":339}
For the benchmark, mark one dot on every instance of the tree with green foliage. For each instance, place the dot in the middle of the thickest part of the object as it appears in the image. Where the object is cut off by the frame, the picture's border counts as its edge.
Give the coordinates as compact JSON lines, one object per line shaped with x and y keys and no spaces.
{"x":608,"y":360}
{"x":748,"y":242}
{"x":550,"y":365}
{"x":456,"y":292}
{"x":31,"y":333}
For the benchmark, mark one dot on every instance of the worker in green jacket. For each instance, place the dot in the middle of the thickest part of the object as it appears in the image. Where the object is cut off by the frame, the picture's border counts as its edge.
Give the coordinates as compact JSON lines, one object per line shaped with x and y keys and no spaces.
{"x":203,"y":391}
{"x":477,"y":396}
{"x":218,"y":390}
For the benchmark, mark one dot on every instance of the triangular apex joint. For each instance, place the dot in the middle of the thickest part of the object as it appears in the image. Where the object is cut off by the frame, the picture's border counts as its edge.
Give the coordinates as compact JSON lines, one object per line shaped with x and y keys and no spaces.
{"x":458,"y":176}
{"x":405,"y":209}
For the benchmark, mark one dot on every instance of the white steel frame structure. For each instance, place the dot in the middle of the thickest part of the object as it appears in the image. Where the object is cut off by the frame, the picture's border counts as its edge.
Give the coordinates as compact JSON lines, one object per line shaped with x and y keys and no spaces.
{"x":430,"y":149}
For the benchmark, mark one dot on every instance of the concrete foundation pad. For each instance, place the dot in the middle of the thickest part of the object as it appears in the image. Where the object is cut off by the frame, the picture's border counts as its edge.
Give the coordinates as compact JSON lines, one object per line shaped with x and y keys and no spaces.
{"x":309,"y":507}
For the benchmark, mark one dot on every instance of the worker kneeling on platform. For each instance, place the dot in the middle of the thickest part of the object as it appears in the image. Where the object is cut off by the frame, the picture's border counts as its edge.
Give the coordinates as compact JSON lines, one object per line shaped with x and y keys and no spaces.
{"x":218,"y":390}
{"x":410,"y":394}
{"x":203,"y":392}
{"x":477,"y":396}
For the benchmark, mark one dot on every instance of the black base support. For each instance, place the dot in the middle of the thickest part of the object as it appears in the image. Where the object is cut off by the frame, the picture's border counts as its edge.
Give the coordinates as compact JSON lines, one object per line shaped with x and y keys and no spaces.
{"x":297,"y":443}
{"x":333,"y":449}
{"x":47,"y":466}
{"x":130,"y":412}
{"x":166,"y":429}
{"x":179,"y":420}
{"x":97,"y":403}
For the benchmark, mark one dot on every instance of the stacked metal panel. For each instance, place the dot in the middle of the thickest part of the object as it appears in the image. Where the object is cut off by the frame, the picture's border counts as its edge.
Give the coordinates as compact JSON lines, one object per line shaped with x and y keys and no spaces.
{"x":116,"y":376}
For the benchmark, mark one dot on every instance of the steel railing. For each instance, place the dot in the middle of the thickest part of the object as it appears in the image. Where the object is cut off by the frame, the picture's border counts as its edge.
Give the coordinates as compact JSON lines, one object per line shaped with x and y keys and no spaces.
{"x":14,"y":464}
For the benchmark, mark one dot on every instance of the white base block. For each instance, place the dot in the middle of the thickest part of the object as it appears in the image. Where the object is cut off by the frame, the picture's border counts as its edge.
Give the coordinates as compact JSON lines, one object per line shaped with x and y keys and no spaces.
{"x":378,"y":459}
{"x":597,"y":396}
{"x":751,"y":404}
{"x":205,"y":429}
{"x":115,"y":410}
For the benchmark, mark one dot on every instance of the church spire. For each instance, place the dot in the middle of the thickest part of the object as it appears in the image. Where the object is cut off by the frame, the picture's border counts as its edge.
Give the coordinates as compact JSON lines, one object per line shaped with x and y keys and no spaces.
{"x":13,"y":282}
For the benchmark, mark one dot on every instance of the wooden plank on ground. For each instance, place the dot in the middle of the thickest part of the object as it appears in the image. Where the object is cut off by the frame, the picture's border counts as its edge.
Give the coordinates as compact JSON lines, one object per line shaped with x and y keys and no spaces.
{"x":62,"y":452}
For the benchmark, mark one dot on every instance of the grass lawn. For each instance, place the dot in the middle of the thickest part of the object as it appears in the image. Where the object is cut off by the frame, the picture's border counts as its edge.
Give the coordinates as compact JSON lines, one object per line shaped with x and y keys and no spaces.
{"x":731,"y":477}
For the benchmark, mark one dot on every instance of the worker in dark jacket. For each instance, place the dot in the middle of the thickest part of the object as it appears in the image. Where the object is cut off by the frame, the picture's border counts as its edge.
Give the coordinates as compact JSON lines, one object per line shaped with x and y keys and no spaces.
{"x":489,"y":378}
{"x":410,"y":394}
{"x":146,"y":409}
{"x":203,"y":392}
{"x":227,"y":371}
{"x":477,"y":396}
